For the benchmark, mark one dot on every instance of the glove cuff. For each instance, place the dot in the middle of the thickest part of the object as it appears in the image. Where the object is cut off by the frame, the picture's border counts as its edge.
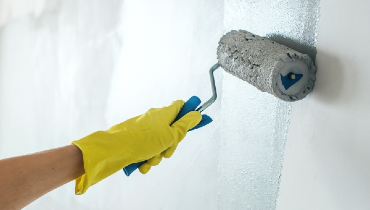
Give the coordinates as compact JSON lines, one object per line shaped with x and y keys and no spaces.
{"x":99,"y":160}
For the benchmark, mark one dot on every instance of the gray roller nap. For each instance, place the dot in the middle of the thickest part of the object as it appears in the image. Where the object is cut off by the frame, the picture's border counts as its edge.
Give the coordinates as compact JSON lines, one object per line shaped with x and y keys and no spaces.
{"x":267,"y":65}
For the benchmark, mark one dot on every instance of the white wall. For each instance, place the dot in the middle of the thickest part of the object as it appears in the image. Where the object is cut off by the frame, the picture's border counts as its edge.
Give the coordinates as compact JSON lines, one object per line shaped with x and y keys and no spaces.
{"x":68,"y":68}
{"x":74,"y":67}
{"x":13,"y":9}
{"x":327,"y":153}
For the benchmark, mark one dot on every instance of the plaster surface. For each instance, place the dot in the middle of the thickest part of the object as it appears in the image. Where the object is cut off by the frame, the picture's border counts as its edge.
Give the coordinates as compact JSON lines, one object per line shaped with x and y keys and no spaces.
{"x":254,"y":123}
{"x":69,"y":68}
{"x":327,"y":153}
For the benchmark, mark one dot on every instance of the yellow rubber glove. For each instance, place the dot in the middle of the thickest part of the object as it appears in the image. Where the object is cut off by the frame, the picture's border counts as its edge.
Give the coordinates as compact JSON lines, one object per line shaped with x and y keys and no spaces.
{"x":146,"y":137}
{"x":145,"y":167}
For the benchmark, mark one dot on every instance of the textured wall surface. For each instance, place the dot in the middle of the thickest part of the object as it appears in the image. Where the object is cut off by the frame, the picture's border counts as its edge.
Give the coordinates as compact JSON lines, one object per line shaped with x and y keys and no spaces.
{"x":71,"y":67}
{"x":254,"y":124}
{"x":68,"y":68}
{"x":327,"y":153}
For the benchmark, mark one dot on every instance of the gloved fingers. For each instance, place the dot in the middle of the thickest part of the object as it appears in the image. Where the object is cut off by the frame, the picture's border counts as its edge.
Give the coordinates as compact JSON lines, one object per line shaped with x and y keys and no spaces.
{"x":144,"y":168}
{"x":205,"y":121}
{"x":155,"y":160}
{"x":169,"y":152}
{"x":190,"y":105}
{"x":170,"y":112}
{"x":184,"y":124}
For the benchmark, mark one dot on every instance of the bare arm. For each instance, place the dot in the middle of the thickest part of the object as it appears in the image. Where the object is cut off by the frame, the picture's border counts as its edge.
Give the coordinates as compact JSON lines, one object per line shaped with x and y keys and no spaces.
{"x":25,"y":178}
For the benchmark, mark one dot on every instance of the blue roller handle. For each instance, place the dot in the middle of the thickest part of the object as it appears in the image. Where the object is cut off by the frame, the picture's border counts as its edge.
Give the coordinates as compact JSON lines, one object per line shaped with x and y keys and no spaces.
{"x":189,"y":106}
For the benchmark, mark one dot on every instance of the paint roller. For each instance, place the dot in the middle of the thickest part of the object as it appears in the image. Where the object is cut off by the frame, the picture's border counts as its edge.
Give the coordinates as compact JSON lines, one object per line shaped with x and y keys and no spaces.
{"x":269,"y":66}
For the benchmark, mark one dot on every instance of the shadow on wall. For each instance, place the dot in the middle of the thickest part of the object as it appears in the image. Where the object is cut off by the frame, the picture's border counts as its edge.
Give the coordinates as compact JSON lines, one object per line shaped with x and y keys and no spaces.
{"x":295,"y":45}
{"x":330,"y":81}
{"x":329,"y":76}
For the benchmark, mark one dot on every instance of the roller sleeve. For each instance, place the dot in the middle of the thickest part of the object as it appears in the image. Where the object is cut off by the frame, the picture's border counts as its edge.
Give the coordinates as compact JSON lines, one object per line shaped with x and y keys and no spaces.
{"x":270,"y":67}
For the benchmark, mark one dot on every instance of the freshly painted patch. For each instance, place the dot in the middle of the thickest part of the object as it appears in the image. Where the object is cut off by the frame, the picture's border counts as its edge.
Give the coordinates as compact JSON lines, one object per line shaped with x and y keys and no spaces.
{"x":255,"y":124}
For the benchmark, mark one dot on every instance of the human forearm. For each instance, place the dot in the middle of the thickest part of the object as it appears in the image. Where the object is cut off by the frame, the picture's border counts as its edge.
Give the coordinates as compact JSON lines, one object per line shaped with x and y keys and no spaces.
{"x":23,"y":179}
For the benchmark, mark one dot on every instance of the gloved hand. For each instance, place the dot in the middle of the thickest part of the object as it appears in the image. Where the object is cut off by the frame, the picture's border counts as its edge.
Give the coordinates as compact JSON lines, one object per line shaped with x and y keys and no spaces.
{"x":146,"y":137}
{"x":189,"y":106}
